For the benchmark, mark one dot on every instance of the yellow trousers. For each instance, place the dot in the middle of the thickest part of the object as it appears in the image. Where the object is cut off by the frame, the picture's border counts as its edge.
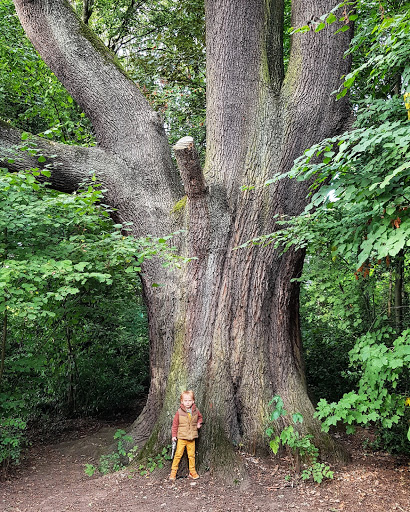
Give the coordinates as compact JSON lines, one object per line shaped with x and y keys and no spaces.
{"x":179,"y":452}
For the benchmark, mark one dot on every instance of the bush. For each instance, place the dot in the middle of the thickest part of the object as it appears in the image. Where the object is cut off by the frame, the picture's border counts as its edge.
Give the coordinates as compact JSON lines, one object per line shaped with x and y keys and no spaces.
{"x":302,"y":450}
{"x":12,"y":433}
{"x":381,"y":398}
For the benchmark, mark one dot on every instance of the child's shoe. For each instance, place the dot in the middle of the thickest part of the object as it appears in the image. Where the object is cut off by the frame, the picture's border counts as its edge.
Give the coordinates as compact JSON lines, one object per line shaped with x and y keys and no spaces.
{"x":194,"y":475}
{"x":173,"y":475}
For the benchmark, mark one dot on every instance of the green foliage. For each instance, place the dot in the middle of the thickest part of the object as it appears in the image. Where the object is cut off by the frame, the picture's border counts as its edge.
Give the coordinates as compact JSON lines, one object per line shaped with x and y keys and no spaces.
{"x":343,"y":12}
{"x":114,"y":461}
{"x":53,"y":244}
{"x":369,"y":186}
{"x":363,"y":208}
{"x":383,"y":386}
{"x":354,"y":318}
{"x":395,"y":439}
{"x":12,"y":440}
{"x":346,"y":314}
{"x":12,"y":432}
{"x":61,"y":256}
{"x":301,"y":446}
{"x":152,"y":463}
{"x":380,"y":50}
{"x":337,"y":307}
{"x":359,"y":216}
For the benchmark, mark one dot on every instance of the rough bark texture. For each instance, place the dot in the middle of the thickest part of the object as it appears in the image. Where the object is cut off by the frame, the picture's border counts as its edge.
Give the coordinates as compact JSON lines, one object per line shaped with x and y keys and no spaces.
{"x":227,"y":324}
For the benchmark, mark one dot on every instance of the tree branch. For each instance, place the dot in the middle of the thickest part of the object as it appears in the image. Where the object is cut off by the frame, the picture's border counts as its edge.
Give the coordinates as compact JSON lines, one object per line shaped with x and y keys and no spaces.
{"x":91,"y":73}
{"x":87,"y":10}
{"x":198,"y":208}
{"x":124,"y":123}
{"x":190,"y":167}
{"x":70,"y":165}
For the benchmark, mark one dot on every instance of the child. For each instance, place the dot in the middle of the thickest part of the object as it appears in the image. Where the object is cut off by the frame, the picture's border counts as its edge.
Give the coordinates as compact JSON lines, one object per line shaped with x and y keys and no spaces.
{"x":185,"y":427}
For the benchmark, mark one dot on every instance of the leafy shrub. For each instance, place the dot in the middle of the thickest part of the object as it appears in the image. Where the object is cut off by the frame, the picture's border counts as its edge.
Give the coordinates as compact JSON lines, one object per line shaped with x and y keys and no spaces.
{"x":113,"y":461}
{"x":155,"y":462}
{"x":12,"y":440}
{"x":12,"y":432}
{"x":301,"y":447}
{"x":116,"y":460}
{"x":383,"y":388}
{"x":77,"y":339}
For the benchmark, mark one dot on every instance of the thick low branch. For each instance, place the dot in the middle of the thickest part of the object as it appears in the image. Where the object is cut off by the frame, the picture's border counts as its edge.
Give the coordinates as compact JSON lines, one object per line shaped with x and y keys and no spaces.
{"x":147,"y":204}
{"x":70,"y":165}
{"x":197,"y":193}
{"x":190,"y":167}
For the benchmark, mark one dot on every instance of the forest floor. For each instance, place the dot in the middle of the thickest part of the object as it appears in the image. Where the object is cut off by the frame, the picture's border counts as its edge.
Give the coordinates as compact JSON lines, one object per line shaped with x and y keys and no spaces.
{"x":51,"y":478}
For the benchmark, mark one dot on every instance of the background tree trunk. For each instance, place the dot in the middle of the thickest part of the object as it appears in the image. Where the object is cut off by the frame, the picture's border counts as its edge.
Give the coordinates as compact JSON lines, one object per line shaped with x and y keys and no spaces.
{"x":227,"y":323}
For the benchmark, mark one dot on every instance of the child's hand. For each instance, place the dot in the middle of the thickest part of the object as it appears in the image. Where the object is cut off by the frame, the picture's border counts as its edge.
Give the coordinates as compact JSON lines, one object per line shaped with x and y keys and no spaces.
{"x":198,"y":425}
{"x":174,"y":438}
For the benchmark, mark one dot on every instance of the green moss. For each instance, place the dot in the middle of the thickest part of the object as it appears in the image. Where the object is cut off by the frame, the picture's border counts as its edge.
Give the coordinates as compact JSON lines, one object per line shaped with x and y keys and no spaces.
{"x":265,"y":71}
{"x":293,"y":73}
{"x":178,"y":376}
{"x":180,"y":205}
{"x":217,"y":453}
{"x":105,"y":52}
{"x":149,"y":447}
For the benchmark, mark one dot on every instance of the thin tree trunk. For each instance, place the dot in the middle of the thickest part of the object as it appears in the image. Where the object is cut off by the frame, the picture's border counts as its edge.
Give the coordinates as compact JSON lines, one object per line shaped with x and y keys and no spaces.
{"x":4,"y":330}
{"x":72,"y":370}
{"x":398,"y":291}
{"x":3,"y":345}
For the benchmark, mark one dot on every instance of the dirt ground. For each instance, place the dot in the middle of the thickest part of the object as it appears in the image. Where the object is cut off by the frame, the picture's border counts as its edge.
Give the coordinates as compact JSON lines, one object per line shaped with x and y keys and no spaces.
{"x":52,"y":479}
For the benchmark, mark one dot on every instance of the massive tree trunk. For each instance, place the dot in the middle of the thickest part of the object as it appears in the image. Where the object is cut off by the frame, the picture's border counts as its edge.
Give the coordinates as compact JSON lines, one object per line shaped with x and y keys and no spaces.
{"x":227,"y":323}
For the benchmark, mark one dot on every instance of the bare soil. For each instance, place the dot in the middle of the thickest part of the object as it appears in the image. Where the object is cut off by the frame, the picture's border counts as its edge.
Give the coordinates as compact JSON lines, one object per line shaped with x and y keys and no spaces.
{"x":51,"y":478}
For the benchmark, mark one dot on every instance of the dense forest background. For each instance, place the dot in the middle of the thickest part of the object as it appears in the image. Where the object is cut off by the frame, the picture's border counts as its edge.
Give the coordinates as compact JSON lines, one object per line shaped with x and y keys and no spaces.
{"x":74,"y":329}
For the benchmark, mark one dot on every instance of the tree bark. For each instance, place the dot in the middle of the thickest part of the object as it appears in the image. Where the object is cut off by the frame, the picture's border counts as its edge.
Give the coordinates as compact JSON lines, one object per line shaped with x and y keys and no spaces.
{"x":227,"y":323}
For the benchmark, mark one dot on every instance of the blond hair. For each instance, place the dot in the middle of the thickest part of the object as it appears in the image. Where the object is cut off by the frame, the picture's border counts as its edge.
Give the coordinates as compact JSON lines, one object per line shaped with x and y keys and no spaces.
{"x":189,"y":393}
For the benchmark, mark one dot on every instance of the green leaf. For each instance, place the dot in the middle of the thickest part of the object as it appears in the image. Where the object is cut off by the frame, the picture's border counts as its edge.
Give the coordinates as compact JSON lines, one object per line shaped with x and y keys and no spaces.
{"x":331,"y":19}
{"x":297,"y":417}
{"x":274,"y":444}
{"x":345,"y":28}
{"x":349,"y":82}
{"x":342,"y":93}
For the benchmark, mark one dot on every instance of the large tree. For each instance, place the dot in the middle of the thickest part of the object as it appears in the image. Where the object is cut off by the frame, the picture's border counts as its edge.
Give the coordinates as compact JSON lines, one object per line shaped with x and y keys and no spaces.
{"x":226,"y":324}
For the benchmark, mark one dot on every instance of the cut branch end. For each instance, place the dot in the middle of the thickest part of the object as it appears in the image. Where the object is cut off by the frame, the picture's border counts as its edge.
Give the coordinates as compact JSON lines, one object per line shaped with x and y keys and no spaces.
{"x":190,"y":167}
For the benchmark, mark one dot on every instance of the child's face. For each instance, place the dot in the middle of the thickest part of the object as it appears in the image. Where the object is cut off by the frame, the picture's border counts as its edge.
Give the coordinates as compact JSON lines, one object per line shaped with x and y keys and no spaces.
{"x":187,"y":401}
